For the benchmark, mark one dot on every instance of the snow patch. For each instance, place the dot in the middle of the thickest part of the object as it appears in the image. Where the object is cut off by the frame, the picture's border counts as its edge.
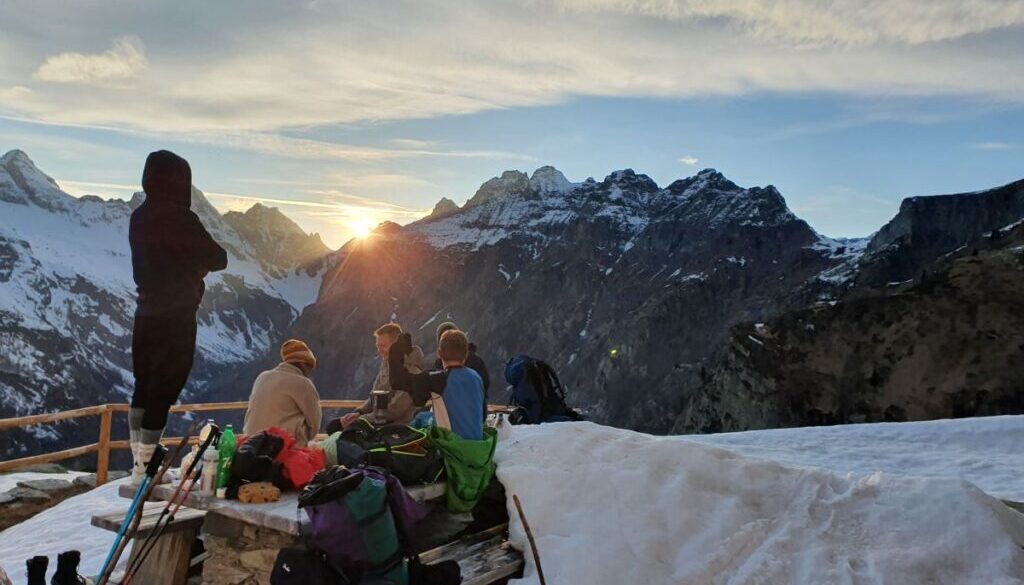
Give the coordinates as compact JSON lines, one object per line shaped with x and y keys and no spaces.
{"x":671,"y":510}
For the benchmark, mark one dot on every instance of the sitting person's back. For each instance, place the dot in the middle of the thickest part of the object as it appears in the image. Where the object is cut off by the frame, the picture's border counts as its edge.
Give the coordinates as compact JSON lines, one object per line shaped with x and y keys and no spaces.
{"x":285,"y":396}
{"x":460,"y":404}
{"x":456,"y":392}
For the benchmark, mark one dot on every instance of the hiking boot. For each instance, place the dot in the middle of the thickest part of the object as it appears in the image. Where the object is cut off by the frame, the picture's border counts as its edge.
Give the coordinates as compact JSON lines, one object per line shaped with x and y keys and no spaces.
{"x":67,"y":569}
{"x":141,"y":456}
{"x":138,"y":466}
{"x":36,"y":570}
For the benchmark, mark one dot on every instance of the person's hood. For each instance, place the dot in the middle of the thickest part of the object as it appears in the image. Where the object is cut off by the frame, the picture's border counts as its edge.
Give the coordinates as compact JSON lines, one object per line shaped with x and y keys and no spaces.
{"x":167,"y":178}
{"x":415,"y":359}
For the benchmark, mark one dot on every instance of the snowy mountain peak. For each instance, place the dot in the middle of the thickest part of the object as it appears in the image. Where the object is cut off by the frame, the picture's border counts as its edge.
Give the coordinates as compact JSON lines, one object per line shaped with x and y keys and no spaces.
{"x":22,"y":182}
{"x":510,"y":184}
{"x":548,"y":179}
{"x":628,"y":180}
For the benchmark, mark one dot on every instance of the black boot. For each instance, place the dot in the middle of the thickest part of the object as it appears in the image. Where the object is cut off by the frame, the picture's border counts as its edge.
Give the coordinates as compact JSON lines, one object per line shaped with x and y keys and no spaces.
{"x":37,"y":570}
{"x":67,"y":569}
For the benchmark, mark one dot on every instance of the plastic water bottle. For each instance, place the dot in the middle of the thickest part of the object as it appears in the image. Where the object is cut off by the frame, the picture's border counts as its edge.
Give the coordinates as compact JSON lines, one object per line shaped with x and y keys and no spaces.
{"x":208,"y":477}
{"x":225,"y":455}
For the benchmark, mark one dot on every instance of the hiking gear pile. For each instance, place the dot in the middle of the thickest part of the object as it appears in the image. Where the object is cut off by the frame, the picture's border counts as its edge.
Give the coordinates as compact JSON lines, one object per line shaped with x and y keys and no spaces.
{"x":404,"y":451}
{"x":272,"y":456}
{"x":537,"y":394}
{"x":363,"y":527}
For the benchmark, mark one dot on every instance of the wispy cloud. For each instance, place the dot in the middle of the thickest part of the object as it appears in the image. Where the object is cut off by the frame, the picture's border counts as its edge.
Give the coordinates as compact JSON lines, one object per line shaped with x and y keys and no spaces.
{"x":306,"y":148}
{"x":993,"y":146}
{"x":847,"y":23}
{"x":689,"y":160}
{"x":125,"y":60}
{"x":79,"y":188}
{"x":412,"y":143}
{"x":253,"y":86}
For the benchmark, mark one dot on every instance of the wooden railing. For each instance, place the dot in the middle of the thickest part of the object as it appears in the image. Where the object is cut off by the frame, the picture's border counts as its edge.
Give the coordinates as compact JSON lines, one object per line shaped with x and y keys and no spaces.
{"x":104,"y":445}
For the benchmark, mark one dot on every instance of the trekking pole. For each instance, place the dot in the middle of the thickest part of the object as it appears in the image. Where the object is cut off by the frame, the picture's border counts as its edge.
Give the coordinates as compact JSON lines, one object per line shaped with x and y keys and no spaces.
{"x":137,"y":501}
{"x":153,"y":471}
{"x":529,"y":536}
{"x":174,"y":503}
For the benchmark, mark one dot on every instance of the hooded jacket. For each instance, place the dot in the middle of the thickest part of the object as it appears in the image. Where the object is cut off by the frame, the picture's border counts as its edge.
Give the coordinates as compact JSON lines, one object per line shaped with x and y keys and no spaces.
{"x":284,"y":397}
{"x":171,"y":250}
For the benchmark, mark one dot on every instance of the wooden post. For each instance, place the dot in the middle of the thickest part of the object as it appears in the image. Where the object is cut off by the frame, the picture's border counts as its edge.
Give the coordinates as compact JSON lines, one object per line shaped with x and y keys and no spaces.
{"x":103,"y":456}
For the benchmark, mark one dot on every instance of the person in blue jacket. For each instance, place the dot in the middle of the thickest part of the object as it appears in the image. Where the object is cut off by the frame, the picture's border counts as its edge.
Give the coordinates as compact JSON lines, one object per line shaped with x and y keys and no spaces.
{"x":456,"y":392}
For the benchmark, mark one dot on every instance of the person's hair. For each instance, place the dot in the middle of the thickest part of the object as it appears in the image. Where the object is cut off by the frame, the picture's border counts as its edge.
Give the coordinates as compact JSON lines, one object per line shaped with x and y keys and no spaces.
{"x":454,"y":346}
{"x":392,"y":330}
{"x":446,"y":326}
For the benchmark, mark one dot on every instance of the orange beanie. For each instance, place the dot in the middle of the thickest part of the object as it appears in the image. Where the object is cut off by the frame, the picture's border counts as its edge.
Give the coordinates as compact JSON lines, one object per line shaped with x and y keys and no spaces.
{"x":297,"y":352}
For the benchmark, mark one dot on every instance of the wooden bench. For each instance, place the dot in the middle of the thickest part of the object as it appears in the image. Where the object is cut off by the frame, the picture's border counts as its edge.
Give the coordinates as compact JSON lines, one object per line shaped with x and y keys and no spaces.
{"x":484,"y":557}
{"x":168,"y":562}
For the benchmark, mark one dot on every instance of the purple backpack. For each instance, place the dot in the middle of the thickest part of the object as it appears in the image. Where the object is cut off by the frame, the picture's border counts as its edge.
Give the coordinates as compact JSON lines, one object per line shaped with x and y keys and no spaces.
{"x":363,"y":521}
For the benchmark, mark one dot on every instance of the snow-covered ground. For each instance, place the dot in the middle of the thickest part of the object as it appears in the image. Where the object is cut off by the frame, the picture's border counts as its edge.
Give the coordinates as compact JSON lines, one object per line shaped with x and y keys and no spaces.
{"x":859,"y":504}
{"x":988,"y":452}
{"x":614,"y":506}
{"x":66,"y":526}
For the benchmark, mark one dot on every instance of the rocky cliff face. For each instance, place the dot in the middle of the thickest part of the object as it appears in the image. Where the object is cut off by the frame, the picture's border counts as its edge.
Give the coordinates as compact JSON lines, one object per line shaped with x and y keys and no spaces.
{"x":945,"y":343}
{"x":67,"y":300}
{"x":927,"y":227}
{"x":621,"y":284}
{"x":279,"y":244}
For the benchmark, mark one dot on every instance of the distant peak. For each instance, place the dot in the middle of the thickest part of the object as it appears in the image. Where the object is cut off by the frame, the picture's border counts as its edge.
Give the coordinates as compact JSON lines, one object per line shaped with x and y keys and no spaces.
{"x":628,"y":178}
{"x":548,"y":179}
{"x":444,"y":208}
{"x":387,"y":227}
{"x":509,"y":184}
{"x":16,"y":155}
{"x":707,"y":172}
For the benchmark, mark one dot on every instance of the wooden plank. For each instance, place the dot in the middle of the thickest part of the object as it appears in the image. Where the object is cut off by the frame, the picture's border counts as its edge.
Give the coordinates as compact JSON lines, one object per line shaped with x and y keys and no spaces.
{"x":24,"y":421}
{"x":457,"y":548}
{"x":48,"y":457}
{"x":168,"y":562}
{"x":184,"y":520}
{"x":484,"y":557}
{"x":103,"y":449}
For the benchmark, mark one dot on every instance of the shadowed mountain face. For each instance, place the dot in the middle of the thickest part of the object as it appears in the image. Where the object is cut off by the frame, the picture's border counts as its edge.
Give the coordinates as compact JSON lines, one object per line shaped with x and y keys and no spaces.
{"x":622,"y":285}
{"x":947,"y":344}
{"x":67,"y":300}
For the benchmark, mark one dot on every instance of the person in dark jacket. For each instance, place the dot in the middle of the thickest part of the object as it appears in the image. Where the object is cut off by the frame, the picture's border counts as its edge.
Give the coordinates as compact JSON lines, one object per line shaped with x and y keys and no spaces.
{"x":171,"y":254}
{"x":456,"y":393}
{"x":473,"y":362}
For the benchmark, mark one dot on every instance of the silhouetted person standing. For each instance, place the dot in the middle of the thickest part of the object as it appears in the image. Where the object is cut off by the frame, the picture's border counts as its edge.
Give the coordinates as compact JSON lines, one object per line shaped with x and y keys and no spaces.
{"x":171,"y":253}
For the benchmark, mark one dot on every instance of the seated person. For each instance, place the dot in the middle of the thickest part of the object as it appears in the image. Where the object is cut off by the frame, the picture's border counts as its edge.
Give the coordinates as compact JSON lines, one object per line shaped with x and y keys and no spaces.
{"x":400,"y":406}
{"x":285,"y":396}
{"x":473,"y":362}
{"x":456,"y":392}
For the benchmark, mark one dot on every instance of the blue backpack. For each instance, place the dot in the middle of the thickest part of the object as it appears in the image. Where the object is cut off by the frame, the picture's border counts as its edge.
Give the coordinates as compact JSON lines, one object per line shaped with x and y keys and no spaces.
{"x":537,"y":394}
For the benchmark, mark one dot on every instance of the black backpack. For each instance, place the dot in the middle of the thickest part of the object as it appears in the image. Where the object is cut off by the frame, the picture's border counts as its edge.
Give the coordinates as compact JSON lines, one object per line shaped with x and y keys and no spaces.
{"x":537,"y":394}
{"x":404,"y":451}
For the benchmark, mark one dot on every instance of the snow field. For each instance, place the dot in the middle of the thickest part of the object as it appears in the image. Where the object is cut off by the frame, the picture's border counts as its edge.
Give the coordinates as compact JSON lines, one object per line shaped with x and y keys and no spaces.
{"x":614,"y":506}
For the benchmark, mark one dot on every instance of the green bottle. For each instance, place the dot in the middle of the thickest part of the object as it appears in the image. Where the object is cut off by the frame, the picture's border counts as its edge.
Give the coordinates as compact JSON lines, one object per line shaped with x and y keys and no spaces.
{"x":226,"y":454}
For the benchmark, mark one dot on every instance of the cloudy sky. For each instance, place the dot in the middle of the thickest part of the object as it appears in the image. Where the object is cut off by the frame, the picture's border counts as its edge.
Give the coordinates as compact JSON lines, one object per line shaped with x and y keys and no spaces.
{"x":340,"y":112}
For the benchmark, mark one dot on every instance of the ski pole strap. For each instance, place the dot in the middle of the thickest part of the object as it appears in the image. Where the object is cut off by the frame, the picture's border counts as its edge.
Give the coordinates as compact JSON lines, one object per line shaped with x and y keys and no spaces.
{"x":153,"y":467}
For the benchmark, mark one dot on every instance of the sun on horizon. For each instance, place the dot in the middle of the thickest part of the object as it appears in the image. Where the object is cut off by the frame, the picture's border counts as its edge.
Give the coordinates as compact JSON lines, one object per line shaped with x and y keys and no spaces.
{"x":361,"y":226}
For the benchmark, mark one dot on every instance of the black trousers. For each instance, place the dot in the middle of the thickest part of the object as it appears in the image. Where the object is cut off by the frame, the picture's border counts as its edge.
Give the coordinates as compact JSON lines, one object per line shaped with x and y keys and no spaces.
{"x":163,"y":348}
